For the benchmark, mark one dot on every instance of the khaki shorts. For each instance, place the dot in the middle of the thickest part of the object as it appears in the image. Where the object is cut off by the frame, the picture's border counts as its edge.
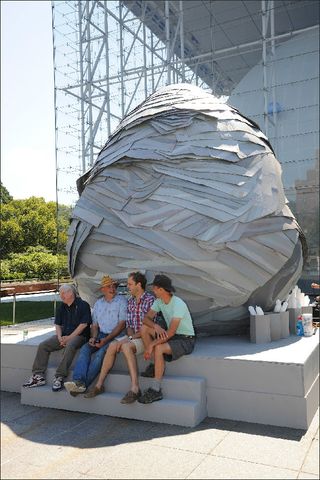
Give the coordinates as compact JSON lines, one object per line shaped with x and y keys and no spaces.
{"x":138,"y":343}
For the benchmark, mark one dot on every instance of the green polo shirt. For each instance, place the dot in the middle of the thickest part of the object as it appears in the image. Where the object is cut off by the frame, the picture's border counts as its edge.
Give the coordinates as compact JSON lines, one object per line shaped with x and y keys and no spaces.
{"x":176,"y":308}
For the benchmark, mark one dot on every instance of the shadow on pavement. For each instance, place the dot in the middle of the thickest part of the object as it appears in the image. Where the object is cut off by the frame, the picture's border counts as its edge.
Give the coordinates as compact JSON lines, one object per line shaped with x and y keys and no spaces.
{"x":84,"y":430}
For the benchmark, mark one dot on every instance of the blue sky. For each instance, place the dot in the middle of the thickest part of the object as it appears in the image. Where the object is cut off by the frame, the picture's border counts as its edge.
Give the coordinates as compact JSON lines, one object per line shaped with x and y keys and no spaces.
{"x":27,"y":99}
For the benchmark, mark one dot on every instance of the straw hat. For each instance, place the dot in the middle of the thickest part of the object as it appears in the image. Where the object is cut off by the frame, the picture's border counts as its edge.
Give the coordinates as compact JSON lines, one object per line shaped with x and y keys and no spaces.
{"x":107,"y":281}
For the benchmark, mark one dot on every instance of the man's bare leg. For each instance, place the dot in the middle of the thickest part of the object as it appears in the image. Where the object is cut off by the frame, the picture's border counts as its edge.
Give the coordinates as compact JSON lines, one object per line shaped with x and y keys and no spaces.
{"x":154,"y":393}
{"x":129,"y":351}
{"x":147,"y":335}
{"x":159,"y":361}
{"x":107,"y":364}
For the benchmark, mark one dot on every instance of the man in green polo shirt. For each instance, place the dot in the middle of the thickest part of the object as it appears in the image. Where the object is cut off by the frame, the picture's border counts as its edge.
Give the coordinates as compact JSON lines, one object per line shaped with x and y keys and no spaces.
{"x":169,"y":343}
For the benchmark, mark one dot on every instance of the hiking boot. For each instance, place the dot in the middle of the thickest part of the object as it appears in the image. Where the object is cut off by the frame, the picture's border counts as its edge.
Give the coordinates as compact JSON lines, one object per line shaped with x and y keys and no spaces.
{"x":57,"y":384}
{"x":94,"y":392}
{"x":149,"y":371}
{"x":74,"y":394}
{"x":150,"y":396}
{"x":75,"y":386}
{"x":130,"y":397}
{"x":35,"y":380}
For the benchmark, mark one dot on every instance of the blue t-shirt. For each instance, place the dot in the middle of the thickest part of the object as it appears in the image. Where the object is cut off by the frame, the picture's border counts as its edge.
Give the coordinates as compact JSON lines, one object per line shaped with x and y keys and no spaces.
{"x":176,"y":308}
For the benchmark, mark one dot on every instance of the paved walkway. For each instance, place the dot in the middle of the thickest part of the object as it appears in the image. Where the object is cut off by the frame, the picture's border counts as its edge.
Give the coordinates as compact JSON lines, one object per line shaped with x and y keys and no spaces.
{"x":41,"y":443}
{"x":39,"y":297}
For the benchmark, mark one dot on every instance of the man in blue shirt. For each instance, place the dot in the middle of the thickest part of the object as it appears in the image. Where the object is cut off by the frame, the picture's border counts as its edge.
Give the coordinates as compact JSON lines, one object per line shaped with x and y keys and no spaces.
{"x":131,"y":345}
{"x":108,"y":320}
{"x":72,"y":323}
{"x":170,"y":343}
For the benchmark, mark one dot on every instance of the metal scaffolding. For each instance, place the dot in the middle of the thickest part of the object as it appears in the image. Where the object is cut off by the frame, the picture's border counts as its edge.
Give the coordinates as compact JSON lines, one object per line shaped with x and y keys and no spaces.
{"x":106,"y":61}
{"x":110,"y":55}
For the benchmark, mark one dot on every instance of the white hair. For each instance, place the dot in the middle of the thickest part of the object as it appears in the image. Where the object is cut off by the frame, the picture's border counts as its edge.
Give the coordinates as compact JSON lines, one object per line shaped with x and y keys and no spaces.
{"x":68,"y":287}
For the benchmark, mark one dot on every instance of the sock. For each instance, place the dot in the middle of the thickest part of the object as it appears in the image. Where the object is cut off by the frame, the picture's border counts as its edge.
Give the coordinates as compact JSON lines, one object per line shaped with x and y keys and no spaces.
{"x":156,"y":384}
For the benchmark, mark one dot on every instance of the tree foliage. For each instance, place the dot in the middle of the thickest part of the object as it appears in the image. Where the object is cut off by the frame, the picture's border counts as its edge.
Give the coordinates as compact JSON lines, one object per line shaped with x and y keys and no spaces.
{"x":30,"y":223}
{"x":36,"y":262}
{"x":5,"y":196}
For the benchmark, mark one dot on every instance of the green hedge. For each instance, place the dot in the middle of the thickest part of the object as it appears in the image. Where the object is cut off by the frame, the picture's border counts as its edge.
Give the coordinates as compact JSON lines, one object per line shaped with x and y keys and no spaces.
{"x":36,"y":262}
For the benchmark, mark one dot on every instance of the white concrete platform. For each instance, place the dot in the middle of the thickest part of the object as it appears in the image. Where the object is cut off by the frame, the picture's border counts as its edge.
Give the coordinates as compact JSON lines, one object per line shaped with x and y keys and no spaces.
{"x":184,"y":400}
{"x":274,"y":383}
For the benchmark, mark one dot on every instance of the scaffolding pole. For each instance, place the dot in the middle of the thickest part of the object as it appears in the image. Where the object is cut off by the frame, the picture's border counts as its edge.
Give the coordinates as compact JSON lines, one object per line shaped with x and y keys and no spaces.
{"x":167,"y":20}
{"x":264,"y":19}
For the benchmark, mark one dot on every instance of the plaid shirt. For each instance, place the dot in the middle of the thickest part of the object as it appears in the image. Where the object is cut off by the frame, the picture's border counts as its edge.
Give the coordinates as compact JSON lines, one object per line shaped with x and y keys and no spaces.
{"x":137,"y":311}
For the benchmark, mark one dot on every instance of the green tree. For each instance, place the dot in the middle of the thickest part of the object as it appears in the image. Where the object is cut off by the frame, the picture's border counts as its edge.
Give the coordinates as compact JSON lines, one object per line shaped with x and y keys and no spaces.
{"x":32,"y":222}
{"x":5,"y":196}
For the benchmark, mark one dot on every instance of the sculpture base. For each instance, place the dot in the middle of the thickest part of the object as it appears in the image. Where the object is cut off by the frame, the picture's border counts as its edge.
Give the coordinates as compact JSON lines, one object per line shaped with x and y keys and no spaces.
{"x":274,"y":383}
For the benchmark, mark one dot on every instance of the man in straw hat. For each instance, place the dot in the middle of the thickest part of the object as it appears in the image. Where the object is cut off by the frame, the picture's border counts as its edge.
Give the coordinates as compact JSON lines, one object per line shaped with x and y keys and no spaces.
{"x":131,"y":345}
{"x":108,"y":320}
{"x":168,"y":344}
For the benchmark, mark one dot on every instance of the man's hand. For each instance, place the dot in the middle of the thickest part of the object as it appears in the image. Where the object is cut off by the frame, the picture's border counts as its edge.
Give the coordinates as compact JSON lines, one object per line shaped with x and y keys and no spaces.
{"x":148,"y":352}
{"x":99,"y":344}
{"x":64,"y":340}
{"x":92,"y":341}
{"x":160,"y":332}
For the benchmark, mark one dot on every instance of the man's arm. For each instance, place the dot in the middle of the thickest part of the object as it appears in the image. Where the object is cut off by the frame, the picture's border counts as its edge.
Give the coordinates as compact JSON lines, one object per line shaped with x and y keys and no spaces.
{"x":80,"y":328}
{"x":59,"y":332}
{"x":94,"y":330}
{"x":130,"y":332}
{"x":170,"y":332}
{"x":148,"y":318}
{"x":161,"y":339}
{"x":114,"y":333}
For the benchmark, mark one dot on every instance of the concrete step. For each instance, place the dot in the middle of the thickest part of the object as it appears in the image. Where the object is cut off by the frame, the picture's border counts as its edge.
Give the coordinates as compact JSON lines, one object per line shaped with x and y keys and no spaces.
{"x":188,"y":413}
{"x":173,"y":386}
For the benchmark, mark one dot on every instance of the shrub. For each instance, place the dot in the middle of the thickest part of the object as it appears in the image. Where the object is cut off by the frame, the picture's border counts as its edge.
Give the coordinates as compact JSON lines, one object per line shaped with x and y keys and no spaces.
{"x":36,"y":262}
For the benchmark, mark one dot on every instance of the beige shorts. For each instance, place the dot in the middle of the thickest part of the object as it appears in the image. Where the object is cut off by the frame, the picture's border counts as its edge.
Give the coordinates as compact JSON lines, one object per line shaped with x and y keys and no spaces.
{"x":138,"y":343}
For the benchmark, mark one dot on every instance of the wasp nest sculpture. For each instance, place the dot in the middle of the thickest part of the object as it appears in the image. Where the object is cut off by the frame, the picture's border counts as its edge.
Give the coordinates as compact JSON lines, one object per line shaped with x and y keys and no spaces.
{"x":189,"y":187}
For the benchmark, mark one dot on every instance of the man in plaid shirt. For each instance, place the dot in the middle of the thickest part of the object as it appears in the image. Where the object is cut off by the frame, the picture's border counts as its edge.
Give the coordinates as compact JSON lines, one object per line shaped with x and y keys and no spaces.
{"x":131,"y":345}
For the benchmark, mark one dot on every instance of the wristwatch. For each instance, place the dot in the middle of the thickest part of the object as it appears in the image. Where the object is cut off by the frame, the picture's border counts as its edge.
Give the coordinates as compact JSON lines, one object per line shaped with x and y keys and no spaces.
{"x":130,"y":337}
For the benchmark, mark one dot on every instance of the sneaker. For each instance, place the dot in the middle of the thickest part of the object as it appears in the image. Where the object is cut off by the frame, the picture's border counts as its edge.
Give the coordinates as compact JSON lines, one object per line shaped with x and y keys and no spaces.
{"x":150,"y":396}
{"x":75,"y":386}
{"x":94,"y":392}
{"x":130,"y":397}
{"x":35,"y":381}
{"x":149,"y":371}
{"x":57,"y":384}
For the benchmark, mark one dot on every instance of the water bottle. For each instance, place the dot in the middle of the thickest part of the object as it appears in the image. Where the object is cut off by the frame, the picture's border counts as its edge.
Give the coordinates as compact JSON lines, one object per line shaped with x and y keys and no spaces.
{"x":307,"y":324}
{"x":25,"y":335}
{"x":299,"y":327}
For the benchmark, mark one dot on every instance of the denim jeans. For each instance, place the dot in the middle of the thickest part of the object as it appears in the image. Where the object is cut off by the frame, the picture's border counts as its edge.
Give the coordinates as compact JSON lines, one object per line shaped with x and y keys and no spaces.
{"x":89,"y":362}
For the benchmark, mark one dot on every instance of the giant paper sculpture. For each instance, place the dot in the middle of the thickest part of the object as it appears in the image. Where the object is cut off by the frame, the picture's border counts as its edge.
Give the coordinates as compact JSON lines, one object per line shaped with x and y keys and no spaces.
{"x":189,"y":187}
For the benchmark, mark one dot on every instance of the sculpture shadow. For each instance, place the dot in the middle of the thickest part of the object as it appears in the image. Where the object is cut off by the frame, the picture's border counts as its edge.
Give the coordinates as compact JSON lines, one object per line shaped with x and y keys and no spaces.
{"x":88,"y":431}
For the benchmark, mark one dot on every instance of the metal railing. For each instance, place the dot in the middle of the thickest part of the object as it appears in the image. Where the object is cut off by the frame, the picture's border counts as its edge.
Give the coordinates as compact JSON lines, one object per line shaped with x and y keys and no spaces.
{"x":11,"y":292}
